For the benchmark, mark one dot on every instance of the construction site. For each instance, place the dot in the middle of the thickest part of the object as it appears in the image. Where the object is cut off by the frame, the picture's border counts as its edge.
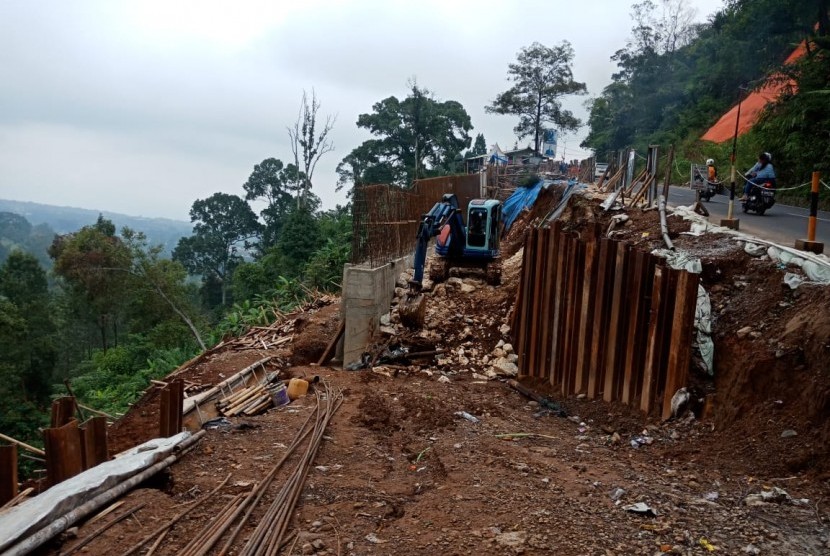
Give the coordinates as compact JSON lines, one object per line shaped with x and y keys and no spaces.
{"x":634,"y":379}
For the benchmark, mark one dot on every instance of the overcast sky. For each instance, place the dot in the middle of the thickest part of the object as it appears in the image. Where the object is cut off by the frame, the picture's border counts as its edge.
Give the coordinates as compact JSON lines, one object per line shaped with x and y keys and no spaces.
{"x":142,"y":107}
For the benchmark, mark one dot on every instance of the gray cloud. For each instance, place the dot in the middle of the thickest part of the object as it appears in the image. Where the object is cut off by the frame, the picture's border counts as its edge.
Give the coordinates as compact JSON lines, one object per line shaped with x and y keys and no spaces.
{"x":142,"y":107}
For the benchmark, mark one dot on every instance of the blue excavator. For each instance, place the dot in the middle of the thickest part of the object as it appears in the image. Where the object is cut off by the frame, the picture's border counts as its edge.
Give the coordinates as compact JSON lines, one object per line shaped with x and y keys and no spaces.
{"x":475,"y":245}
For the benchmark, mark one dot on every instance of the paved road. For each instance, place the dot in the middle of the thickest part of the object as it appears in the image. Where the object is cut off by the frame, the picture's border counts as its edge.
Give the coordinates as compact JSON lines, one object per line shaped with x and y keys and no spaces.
{"x":782,"y":223}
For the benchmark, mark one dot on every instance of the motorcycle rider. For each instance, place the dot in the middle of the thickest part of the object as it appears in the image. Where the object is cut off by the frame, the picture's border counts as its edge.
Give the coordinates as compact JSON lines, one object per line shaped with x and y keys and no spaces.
{"x":762,"y":172}
{"x":712,"y":170}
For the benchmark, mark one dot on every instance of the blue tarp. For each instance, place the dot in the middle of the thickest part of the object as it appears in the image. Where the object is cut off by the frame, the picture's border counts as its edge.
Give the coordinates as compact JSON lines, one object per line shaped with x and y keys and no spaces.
{"x":525,"y":197}
{"x":522,"y":198}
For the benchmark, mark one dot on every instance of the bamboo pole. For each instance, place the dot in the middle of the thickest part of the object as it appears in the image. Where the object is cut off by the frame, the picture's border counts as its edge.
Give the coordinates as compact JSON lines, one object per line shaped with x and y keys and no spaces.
{"x":23,"y":445}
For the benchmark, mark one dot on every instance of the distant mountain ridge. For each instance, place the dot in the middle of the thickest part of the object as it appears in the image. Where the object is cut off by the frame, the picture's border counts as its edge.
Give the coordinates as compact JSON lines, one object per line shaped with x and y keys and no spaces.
{"x":164,"y":231}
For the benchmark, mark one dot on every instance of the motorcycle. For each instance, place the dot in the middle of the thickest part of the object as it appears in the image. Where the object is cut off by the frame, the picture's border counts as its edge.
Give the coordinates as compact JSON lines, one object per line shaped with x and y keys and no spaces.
{"x":712,"y":188}
{"x":760,"y":198}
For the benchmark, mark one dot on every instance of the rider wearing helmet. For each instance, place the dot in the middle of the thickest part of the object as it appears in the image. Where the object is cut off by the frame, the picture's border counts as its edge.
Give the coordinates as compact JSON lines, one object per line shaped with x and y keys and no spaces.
{"x":761,"y":173}
{"x":713,"y":171}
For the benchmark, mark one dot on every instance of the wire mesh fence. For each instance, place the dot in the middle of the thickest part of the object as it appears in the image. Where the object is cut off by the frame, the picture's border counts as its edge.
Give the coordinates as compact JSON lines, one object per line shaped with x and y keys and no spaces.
{"x":386,"y":217}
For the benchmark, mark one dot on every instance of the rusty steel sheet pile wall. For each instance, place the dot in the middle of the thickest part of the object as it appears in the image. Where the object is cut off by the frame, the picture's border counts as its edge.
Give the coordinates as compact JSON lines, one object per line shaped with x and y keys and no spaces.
{"x":385,"y":217}
{"x":600,"y":318}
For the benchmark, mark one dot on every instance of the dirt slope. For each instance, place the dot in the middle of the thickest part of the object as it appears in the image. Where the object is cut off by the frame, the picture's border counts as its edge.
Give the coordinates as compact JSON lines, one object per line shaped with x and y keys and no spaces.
{"x":400,"y":473}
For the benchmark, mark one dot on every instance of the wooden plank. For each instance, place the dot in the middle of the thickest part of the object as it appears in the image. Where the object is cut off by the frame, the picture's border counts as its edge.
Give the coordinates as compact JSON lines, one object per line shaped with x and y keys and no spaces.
{"x":636,"y":301}
{"x":96,"y":450}
{"x":605,"y":267}
{"x":574,"y":308}
{"x":8,"y":473}
{"x":515,"y":321}
{"x":588,"y":295}
{"x":176,"y":405}
{"x":680,"y":352}
{"x":64,"y":455}
{"x":558,"y":320}
{"x":164,"y":412}
{"x":654,"y":341}
{"x":328,"y":353}
{"x":533,"y":367}
{"x":548,"y":296}
{"x":616,"y":331}
{"x":63,"y":411}
{"x":546,"y":299}
{"x":527,"y":300}
{"x":641,"y":341}
{"x":670,"y":276}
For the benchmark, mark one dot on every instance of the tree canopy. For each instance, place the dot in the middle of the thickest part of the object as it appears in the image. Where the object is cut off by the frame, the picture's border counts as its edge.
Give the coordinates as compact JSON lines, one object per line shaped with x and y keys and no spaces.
{"x":224,"y":225}
{"x":541,"y":76}
{"x":415,"y":137}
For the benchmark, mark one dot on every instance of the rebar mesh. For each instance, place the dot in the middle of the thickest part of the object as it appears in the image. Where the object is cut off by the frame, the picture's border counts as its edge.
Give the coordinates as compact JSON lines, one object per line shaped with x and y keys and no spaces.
{"x":386,"y":217}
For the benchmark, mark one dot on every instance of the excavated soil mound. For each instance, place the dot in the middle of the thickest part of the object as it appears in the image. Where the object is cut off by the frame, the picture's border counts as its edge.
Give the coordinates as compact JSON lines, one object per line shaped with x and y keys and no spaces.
{"x":314,"y":332}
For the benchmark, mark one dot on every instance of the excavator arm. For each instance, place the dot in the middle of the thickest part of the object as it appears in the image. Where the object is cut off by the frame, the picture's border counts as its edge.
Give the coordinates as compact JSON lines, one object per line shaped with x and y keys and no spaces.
{"x":413,"y":307}
{"x":444,"y":212}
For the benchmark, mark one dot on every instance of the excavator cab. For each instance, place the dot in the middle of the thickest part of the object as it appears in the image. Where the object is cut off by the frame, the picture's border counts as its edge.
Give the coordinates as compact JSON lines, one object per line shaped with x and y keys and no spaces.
{"x":483,"y":227}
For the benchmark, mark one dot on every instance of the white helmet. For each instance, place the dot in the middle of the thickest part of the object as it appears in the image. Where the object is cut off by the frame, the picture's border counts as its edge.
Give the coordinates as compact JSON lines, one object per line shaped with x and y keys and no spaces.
{"x":710,"y":162}
{"x":769,"y":156}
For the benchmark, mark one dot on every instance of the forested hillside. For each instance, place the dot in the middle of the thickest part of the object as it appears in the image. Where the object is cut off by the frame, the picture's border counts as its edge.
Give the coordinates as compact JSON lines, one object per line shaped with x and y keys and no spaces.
{"x":675,"y":79}
{"x":163,"y":231}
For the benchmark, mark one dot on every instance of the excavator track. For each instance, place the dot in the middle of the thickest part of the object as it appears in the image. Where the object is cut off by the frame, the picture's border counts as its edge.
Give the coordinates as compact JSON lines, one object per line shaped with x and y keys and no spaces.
{"x":439,"y":269}
{"x":494,"y":272}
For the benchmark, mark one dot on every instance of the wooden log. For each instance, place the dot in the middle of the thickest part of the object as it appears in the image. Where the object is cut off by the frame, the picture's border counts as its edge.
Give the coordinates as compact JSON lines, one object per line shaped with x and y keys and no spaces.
{"x":328,"y":353}
{"x":23,"y":445}
{"x":8,"y":473}
{"x":654,"y":342}
{"x":95,"y":411}
{"x":680,"y":352}
{"x":209,"y":394}
{"x":64,"y":454}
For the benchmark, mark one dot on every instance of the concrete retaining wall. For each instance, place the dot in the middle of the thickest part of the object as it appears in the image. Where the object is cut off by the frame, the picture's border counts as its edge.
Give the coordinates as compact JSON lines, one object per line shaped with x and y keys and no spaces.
{"x":367,"y":295}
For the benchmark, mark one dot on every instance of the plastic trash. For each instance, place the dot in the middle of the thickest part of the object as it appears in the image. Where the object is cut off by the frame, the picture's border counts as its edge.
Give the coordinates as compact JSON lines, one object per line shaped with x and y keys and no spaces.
{"x":641,"y":508}
{"x":704,"y":542}
{"x":793,"y":280}
{"x":468,"y":416}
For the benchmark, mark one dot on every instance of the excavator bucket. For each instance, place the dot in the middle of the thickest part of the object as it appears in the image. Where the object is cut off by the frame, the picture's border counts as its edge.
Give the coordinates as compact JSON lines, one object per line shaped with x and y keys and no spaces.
{"x":412,"y":310}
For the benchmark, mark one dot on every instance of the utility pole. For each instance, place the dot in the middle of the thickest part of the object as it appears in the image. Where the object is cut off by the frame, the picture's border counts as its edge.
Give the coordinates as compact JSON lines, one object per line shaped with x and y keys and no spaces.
{"x":730,"y":221}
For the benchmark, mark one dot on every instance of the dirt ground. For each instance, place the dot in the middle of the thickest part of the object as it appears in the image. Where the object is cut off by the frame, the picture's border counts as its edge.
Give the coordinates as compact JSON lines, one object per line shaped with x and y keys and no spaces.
{"x":401,"y":472}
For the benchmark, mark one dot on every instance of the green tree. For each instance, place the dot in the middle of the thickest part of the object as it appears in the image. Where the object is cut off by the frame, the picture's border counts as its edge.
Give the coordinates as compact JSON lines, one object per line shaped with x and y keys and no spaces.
{"x":85,"y":259}
{"x":23,"y":283}
{"x":275,"y":183}
{"x":223,"y":225}
{"x":415,"y":137}
{"x":541,"y":76}
{"x":479,"y":146}
{"x":161,"y":277}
